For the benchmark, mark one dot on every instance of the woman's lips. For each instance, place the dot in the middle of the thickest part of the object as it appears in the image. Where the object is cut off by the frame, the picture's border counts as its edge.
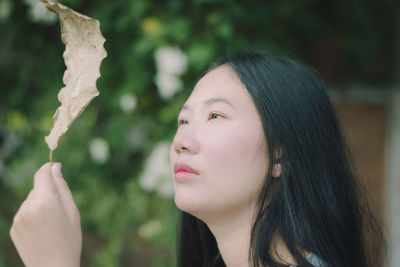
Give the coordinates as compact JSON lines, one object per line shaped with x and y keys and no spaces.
{"x":183,"y":172}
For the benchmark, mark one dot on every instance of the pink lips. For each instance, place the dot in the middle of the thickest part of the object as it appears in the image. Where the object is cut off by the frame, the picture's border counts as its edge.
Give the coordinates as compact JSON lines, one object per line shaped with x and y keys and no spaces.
{"x":183,"y":172}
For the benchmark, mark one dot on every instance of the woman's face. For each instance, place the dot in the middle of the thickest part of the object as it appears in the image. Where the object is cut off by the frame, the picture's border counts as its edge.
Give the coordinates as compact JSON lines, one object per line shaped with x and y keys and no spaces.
{"x":219,"y":150}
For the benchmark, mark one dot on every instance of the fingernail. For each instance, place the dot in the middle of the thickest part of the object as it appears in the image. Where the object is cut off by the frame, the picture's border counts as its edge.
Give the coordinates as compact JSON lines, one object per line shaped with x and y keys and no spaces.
{"x":56,"y":169}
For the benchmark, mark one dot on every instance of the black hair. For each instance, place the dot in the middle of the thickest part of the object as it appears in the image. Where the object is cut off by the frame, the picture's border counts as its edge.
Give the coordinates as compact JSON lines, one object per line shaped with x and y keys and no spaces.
{"x":316,"y":205}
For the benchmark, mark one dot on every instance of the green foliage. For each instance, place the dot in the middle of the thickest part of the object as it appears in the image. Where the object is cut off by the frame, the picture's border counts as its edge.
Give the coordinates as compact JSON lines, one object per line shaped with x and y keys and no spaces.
{"x":123,"y":224}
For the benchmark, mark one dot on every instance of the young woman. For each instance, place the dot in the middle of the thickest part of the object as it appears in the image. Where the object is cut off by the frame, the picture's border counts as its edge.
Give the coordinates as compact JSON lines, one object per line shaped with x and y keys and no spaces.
{"x":261,"y":175}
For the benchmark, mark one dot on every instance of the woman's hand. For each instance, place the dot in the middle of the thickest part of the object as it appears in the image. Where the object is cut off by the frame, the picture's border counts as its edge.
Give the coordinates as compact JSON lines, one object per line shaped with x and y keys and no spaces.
{"x":46,"y":230}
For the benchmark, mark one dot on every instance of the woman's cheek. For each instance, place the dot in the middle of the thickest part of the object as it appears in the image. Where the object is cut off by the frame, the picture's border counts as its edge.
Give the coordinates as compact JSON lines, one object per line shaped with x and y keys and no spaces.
{"x":227,"y":150}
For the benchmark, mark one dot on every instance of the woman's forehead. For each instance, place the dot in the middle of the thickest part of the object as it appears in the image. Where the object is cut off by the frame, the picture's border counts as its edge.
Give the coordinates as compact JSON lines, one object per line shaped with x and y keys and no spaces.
{"x":219,"y":85}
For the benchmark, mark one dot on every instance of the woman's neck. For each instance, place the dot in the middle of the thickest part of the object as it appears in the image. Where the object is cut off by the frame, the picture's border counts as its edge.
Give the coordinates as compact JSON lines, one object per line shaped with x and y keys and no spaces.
{"x":232,"y":233}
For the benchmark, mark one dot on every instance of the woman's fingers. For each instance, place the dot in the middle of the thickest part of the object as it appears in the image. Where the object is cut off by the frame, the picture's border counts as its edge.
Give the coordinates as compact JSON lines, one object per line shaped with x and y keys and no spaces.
{"x":49,"y":183}
{"x":17,"y":220}
{"x":64,"y":192}
{"x":46,"y":229}
{"x":43,"y":180}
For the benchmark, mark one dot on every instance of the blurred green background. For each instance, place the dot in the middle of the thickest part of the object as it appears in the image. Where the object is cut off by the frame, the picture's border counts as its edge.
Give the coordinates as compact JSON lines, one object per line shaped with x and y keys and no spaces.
{"x":115,"y":156}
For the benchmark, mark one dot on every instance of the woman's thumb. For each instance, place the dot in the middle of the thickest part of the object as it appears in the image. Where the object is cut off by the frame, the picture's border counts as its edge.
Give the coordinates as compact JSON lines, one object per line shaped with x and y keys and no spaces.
{"x":56,"y":169}
{"x":63,"y":190}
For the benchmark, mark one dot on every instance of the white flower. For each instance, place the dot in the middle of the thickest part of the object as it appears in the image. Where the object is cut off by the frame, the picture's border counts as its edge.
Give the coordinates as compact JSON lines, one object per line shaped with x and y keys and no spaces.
{"x":170,"y":60}
{"x":99,"y":150}
{"x":165,"y":187}
{"x":150,"y":229}
{"x":157,"y":174}
{"x":136,"y":135}
{"x":39,"y":13}
{"x":5,"y":10}
{"x":127,"y":102}
{"x":148,"y":181}
{"x":167,"y":84}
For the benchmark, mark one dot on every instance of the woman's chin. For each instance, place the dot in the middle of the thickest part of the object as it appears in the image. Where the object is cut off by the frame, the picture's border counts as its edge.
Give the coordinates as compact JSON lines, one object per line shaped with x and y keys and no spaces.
{"x":190,"y":205}
{"x":185,"y":204}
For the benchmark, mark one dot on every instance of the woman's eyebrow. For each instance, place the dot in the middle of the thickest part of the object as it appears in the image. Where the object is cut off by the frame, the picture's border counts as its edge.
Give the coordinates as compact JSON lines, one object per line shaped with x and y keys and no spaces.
{"x":211,"y":101}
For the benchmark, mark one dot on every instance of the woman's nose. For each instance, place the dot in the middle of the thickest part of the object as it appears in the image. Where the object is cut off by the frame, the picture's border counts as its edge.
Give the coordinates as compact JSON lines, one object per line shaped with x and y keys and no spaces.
{"x":186,"y":140}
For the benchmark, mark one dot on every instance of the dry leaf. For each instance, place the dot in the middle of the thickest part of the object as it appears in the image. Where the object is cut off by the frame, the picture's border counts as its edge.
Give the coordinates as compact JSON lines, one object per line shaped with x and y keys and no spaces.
{"x":83,"y":54}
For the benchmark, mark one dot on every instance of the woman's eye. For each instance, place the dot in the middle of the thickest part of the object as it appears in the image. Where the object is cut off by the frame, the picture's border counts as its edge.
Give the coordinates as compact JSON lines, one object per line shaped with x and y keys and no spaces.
{"x":215,"y":116}
{"x":182,"y":121}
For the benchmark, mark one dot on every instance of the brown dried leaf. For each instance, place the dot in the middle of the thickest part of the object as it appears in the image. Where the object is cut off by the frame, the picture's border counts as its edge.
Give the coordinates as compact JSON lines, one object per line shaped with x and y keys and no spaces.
{"x":83,"y":54}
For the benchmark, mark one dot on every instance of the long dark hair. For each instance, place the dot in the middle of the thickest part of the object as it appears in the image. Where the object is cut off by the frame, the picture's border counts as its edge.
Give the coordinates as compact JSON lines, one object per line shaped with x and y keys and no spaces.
{"x":316,"y":205}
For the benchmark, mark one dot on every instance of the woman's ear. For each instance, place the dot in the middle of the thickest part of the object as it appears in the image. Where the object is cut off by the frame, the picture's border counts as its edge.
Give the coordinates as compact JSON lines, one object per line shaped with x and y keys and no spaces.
{"x":276,"y":170}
